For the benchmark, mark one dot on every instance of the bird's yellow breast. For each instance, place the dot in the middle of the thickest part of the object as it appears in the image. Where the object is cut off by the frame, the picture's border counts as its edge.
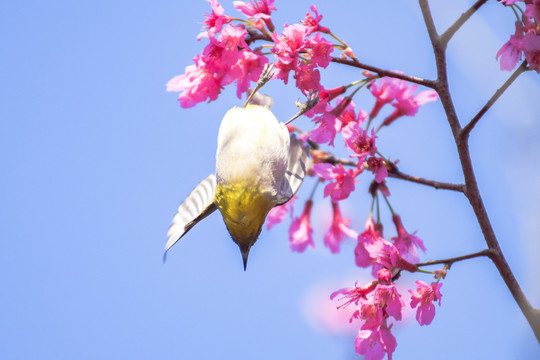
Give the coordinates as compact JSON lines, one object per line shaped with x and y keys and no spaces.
{"x":244,"y":208}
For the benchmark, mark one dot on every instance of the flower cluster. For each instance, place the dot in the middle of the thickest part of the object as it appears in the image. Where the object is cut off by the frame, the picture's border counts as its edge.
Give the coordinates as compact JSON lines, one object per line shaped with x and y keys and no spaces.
{"x":526,"y":38}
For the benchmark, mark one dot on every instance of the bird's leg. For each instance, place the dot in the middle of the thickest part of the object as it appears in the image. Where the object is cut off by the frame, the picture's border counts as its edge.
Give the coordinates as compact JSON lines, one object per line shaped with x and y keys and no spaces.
{"x":310,"y":103}
{"x":266,"y":75}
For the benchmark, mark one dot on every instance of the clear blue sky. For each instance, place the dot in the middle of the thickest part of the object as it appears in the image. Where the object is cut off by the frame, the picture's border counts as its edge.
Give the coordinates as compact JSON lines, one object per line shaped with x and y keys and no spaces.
{"x":96,"y":157}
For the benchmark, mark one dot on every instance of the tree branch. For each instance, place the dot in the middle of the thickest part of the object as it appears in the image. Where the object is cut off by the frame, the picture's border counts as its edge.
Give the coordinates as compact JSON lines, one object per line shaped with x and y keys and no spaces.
{"x":472,"y":191}
{"x":467,"y":128}
{"x":486,"y":252}
{"x":395,"y":173}
{"x":382,"y":72}
{"x":445,"y":38}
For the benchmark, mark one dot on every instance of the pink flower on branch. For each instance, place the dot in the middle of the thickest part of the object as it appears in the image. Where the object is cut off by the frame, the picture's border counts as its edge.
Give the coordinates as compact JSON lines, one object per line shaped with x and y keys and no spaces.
{"x":287,"y":47}
{"x":386,"y":254}
{"x":312,"y":23}
{"x":407,"y":244}
{"x":257,"y":9}
{"x":531,"y":47}
{"x":338,"y":229}
{"x":300,"y":232}
{"x":510,"y":52}
{"x":319,"y":50}
{"x":389,"y":298}
{"x":355,"y":294}
{"x":378,"y":168}
{"x":375,"y":343}
{"x":277,"y":213}
{"x":372,"y":234}
{"x":359,"y":142}
{"x":344,"y":180}
{"x":247,"y":69}
{"x":385,"y":92}
{"x":423,"y":297}
{"x":214,"y":22}
{"x":407,"y":104}
{"x":327,"y":130}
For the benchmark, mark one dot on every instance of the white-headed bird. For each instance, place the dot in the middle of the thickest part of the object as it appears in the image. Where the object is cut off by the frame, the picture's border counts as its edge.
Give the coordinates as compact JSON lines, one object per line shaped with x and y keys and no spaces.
{"x":258,"y":166}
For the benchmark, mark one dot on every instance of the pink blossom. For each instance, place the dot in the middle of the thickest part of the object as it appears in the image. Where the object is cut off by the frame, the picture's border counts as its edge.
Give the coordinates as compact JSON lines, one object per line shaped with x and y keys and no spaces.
{"x":531,"y":47}
{"x":510,"y":52}
{"x":385,"y":92}
{"x":344,"y":180}
{"x":307,"y":78}
{"x":277,"y":213}
{"x":532,"y":10}
{"x":327,"y":130}
{"x":372,"y":234}
{"x":339,"y":227}
{"x":376,"y":166}
{"x":386,"y":254}
{"x":384,"y":275}
{"x":359,"y":142}
{"x":407,"y":244}
{"x":257,"y":9}
{"x":312,"y":22}
{"x":424,"y":296}
{"x":374,"y":343}
{"x":355,"y":294}
{"x":408,"y":104}
{"x":248,"y":68}
{"x":319,"y":50}
{"x":286,"y":48}
{"x":300,"y":231}
{"x":389,"y":298}
{"x":214,"y":21}
{"x":371,"y":312}
{"x":196,"y":85}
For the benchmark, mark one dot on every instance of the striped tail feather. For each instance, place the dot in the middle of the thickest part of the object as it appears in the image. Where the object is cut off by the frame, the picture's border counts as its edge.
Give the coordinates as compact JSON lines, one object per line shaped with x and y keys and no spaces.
{"x":198,"y":205}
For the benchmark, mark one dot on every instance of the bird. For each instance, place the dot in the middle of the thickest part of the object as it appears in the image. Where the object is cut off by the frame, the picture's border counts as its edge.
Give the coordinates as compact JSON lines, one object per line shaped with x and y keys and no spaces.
{"x":259,"y":165}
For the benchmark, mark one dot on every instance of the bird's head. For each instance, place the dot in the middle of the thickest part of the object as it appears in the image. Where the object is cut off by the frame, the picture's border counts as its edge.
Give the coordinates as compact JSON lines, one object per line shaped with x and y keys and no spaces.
{"x":244,"y":208}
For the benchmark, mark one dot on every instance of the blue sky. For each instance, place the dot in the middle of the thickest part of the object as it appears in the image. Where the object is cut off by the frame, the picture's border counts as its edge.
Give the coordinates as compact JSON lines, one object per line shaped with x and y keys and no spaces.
{"x":97,"y":157}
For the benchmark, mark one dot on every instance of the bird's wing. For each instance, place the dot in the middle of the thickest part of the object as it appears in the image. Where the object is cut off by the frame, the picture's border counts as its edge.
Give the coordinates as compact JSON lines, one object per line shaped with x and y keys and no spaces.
{"x":198,"y":205}
{"x":296,"y":170}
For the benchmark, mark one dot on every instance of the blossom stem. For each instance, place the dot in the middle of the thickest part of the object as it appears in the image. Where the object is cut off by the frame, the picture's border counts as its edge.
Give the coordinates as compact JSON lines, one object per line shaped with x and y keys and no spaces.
{"x":382,"y":72}
{"x":389,"y":206}
{"x":467,"y":129}
{"x":343,"y":43}
{"x":314,"y":188}
{"x":513,"y":7}
{"x":378,"y":210}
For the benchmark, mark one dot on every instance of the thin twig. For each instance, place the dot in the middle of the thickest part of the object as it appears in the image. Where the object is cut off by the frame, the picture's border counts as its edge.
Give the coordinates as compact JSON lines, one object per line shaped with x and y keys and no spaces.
{"x":486,"y":252}
{"x":395,"y":173}
{"x":382,"y":72}
{"x":467,"y":128}
{"x":447,"y":35}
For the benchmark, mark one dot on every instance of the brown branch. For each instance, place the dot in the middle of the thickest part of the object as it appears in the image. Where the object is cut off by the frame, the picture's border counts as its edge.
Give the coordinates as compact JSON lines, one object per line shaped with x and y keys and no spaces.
{"x":467,"y":128}
{"x":447,"y":35}
{"x":396,"y":174}
{"x":472,"y":191}
{"x":382,"y":72}
{"x":486,"y":252}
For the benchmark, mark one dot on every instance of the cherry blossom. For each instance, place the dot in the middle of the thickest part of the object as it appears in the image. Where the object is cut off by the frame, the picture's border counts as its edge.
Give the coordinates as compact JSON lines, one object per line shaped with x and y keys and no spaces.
{"x":407,"y":104}
{"x":300,"y":232}
{"x":277,"y":213}
{"x":312,"y":22}
{"x":407,"y":244}
{"x":344,"y":180}
{"x":386,"y":254}
{"x":337,"y":230}
{"x":423,"y":297}
{"x":358,"y":140}
{"x":510,"y":52}
{"x":257,"y":9}
{"x":372,"y":234}
{"x":375,"y":343}
{"x":214,"y":22}
{"x":385,"y":92}
{"x":378,"y":168}
{"x":531,"y":47}
{"x":319,"y":50}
